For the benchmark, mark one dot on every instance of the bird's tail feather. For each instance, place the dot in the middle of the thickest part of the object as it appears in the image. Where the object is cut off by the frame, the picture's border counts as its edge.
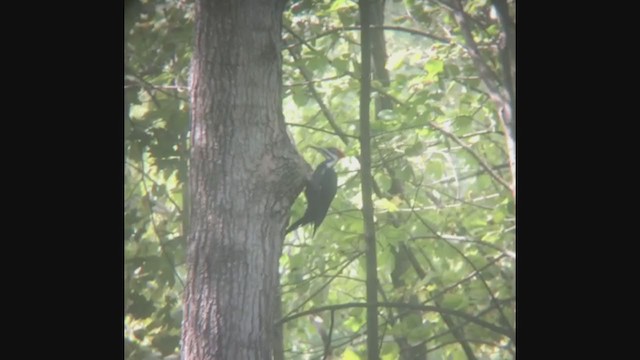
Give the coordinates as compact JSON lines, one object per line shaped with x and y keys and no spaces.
{"x":296,"y":225}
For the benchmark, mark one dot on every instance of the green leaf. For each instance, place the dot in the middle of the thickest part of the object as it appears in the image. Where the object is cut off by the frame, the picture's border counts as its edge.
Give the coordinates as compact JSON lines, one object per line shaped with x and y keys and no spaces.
{"x":339,"y":4}
{"x":349,"y":354}
{"x":453,"y":70}
{"x":414,"y":150}
{"x":341,"y":65}
{"x":463,"y":122}
{"x":457,"y":354}
{"x":387,"y":115}
{"x":433,"y":68}
{"x":389,"y":351}
{"x":418,"y":334}
{"x":300,"y":97}
{"x":386,"y":262}
{"x":137,"y":112}
{"x":316,"y":63}
{"x":455,"y":301}
{"x":399,"y":329}
{"x":498,"y":216}
{"x":297,"y":261}
{"x":385,"y":204}
{"x":394,"y":235}
{"x":435,"y":168}
{"x":354,"y":323}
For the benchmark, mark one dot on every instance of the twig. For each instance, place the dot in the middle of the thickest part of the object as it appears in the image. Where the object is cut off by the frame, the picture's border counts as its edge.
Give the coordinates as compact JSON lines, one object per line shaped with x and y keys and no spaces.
{"x":502,"y":99}
{"x":143,"y":173}
{"x":305,"y":83}
{"x":319,"y":129}
{"x":428,"y":308}
{"x":147,"y":86}
{"x":473,"y":266}
{"x":160,"y":243}
{"x":480,"y":161}
{"x":386,"y":27}
{"x":327,"y":346}
{"x":325,"y":284}
{"x":314,"y":93}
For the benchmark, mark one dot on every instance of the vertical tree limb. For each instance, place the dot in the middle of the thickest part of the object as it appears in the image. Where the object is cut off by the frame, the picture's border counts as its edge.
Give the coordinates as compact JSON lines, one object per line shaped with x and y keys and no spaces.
{"x":498,"y":91}
{"x":367,"y":181}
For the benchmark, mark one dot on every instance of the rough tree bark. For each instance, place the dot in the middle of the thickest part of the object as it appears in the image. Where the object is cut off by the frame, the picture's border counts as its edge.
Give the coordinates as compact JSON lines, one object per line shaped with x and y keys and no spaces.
{"x":244,"y":176}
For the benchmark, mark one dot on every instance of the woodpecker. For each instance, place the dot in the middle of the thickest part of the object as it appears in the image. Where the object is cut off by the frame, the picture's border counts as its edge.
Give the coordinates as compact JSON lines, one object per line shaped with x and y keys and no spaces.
{"x":320,"y":190}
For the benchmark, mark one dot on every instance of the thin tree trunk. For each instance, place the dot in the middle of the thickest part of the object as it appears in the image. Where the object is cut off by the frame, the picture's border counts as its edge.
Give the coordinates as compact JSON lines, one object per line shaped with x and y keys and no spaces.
{"x":244,"y":176}
{"x":367,"y":182}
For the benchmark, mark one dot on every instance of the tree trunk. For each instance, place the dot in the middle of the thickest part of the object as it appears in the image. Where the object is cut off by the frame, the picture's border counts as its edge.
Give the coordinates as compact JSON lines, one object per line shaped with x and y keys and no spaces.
{"x":244,"y":176}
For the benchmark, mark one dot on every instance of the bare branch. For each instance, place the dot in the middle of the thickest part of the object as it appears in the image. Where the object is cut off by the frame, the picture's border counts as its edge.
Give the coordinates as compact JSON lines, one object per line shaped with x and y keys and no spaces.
{"x":325,"y":284}
{"x":480,"y":161}
{"x":428,"y":308}
{"x":143,"y":173}
{"x":319,"y":129}
{"x":386,"y":27}
{"x":306,"y":83}
{"x":314,"y":93}
{"x":473,"y":266}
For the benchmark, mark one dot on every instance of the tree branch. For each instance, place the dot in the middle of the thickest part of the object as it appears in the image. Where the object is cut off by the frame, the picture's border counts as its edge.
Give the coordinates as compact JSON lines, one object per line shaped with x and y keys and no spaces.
{"x":320,"y":130}
{"x":367,"y":180}
{"x":473,"y":266}
{"x":325,"y":284}
{"x":502,"y":99}
{"x":143,"y":173}
{"x":426,"y":308}
{"x":480,"y":161}
{"x":314,"y":93}
{"x":327,"y":346}
{"x":160,"y":243}
{"x":316,"y":81}
{"x":385,"y":27}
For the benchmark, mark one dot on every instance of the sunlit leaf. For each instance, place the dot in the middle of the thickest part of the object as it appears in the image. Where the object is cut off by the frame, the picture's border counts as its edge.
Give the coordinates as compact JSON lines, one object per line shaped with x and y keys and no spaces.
{"x":463,"y":122}
{"x":454,"y":301}
{"x":299,"y":96}
{"x":415,"y":149}
{"x":349,"y":354}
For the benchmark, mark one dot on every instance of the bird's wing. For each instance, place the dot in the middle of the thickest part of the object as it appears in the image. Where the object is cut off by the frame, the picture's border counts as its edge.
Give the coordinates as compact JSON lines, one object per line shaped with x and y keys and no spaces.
{"x":314,"y":185}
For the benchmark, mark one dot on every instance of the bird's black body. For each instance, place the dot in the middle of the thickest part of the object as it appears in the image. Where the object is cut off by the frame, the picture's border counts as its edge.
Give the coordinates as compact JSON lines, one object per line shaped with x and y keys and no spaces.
{"x":320,"y":190}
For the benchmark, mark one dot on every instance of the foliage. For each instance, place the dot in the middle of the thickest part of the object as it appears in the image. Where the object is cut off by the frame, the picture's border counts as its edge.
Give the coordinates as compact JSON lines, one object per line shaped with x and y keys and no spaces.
{"x":157,"y":54}
{"x":445,"y":223}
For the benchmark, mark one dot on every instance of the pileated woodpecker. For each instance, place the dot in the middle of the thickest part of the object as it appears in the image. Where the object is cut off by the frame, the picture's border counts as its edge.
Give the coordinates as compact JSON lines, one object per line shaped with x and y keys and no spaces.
{"x":320,"y":190}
